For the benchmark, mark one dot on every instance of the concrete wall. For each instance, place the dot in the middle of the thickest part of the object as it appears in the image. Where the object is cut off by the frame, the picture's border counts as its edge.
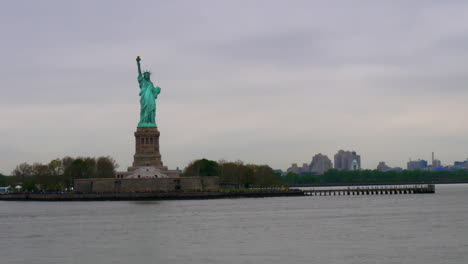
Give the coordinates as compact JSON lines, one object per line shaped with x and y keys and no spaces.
{"x":150,"y":184}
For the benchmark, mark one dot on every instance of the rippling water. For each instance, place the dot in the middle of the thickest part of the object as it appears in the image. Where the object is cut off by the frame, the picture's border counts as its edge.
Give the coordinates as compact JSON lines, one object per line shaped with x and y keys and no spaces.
{"x":423,"y":228}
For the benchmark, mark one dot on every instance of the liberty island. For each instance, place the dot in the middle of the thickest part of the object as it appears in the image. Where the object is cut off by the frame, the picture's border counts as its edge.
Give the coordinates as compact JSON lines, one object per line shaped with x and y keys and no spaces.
{"x":147,"y":172}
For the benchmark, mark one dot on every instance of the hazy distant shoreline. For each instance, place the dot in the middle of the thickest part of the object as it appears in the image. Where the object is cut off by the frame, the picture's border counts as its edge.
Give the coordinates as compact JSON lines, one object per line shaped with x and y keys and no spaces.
{"x":375,"y":183}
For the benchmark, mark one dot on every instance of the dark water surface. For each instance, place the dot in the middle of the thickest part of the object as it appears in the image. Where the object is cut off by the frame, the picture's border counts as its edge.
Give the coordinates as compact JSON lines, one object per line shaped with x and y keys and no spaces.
{"x":422,"y":228}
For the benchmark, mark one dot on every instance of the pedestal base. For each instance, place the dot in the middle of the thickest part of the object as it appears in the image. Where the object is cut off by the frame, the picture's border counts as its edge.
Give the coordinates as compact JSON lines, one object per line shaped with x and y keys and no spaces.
{"x":147,"y":161}
{"x":147,"y":149}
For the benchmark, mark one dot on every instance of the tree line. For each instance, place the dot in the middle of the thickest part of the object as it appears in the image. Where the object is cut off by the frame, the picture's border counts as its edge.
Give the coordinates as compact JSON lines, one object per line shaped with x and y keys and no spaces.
{"x":233,"y":173}
{"x":375,"y":176}
{"x":3,"y":180}
{"x":238,"y":173}
{"x":58,"y":174}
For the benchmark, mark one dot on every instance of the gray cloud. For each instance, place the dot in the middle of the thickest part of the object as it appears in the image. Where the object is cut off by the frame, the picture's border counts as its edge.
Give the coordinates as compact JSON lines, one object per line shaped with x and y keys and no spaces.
{"x":263,"y":81}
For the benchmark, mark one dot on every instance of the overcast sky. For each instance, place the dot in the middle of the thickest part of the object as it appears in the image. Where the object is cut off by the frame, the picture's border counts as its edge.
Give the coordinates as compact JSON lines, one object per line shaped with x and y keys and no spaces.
{"x":267,"y":82}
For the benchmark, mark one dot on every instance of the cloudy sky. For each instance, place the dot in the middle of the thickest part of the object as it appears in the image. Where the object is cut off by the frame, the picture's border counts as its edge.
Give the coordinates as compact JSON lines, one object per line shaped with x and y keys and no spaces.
{"x":268,"y":82}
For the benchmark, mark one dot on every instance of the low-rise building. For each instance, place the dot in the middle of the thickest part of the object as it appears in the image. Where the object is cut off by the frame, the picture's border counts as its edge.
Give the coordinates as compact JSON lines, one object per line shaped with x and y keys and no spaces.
{"x":417,"y":165}
{"x":4,"y":189}
{"x":460,"y":165}
{"x":384,"y":167}
{"x":347,"y":160}
{"x":294,"y":169}
{"x":320,"y":164}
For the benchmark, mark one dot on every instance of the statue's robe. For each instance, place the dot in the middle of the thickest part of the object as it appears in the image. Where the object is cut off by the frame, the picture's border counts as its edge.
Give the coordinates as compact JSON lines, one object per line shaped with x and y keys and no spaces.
{"x":148,"y":95}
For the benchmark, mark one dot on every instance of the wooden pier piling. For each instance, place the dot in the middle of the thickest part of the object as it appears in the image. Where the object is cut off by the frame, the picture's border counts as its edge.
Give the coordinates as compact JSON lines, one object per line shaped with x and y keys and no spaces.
{"x":373,"y":190}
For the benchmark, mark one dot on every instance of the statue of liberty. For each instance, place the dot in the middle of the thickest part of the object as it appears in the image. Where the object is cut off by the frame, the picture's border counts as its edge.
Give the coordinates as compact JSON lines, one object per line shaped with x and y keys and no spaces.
{"x":148,"y":95}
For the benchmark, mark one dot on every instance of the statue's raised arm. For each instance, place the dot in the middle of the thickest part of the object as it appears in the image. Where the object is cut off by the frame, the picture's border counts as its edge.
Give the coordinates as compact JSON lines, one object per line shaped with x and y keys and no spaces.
{"x":138,"y":59}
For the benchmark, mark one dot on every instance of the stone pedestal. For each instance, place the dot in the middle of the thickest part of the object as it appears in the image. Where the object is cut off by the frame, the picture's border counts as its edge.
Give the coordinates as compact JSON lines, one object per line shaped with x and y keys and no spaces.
{"x":147,"y":149}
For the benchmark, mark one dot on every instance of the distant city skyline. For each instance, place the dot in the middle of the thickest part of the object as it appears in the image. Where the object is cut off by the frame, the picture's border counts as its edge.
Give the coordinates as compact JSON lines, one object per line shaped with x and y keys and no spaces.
{"x":271,"y":83}
{"x":351,"y":160}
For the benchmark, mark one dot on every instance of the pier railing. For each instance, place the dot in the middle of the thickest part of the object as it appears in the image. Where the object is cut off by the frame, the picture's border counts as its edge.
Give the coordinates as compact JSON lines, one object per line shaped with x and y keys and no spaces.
{"x":372,"y":190}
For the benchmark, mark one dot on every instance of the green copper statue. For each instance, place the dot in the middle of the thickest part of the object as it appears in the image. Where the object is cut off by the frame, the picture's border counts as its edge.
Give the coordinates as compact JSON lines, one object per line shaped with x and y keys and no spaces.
{"x":148,"y":95}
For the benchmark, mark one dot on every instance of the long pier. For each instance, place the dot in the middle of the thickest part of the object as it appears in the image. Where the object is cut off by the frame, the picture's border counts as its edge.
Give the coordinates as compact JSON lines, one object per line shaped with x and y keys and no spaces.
{"x":373,"y":190}
{"x":254,"y":193}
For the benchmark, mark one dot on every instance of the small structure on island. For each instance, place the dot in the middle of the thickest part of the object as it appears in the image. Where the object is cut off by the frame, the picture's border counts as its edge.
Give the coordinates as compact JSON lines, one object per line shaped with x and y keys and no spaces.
{"x":147,"y":172}
{"x":5,"y":189}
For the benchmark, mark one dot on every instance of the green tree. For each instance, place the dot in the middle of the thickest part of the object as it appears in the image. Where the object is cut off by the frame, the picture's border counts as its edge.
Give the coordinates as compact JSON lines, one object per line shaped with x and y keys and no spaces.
{"x":66,"y":162}
{"x":3,"y":180}
{"x":232,"y":172}
{"x":56,"y":167}
{"x":105,"y":167}
{"x":23,"y":171}
{"x":80,"y":168}
{"x":263,"y":175}
{"x":29,"y":186}
{"x":245,"y":175}
{"x":202,"y":167}
{"x":305,"y":178}
{"x":60,"y":173}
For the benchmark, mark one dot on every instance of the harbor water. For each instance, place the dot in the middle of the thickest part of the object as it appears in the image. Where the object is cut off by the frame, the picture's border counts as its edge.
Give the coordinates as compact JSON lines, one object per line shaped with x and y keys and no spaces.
{"x":404,"y":228}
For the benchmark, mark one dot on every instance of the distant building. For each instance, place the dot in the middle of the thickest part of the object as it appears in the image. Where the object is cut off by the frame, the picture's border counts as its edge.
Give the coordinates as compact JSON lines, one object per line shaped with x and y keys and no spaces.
{"x":298,"y":170}
{"x":460,"y":165}
{"x":435,"y":164}
{"x":347,"y":160}
{"x":304,"y":168}
{"x":383,"y":167}
{"x":320,"y":164}
{"x":417,"y":165}
{"x":294,"y":169}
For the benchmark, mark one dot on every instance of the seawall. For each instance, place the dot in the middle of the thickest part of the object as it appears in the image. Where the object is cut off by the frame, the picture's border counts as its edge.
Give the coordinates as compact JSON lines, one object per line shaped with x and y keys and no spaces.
{"x":146,"y":196}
